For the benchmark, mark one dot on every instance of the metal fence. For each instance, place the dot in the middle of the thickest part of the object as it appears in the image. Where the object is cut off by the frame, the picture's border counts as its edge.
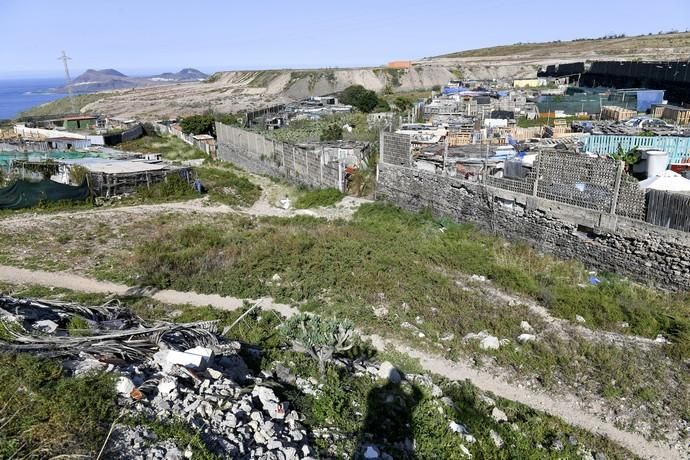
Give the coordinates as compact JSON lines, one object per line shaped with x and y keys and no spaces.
{"x":678,"y":148}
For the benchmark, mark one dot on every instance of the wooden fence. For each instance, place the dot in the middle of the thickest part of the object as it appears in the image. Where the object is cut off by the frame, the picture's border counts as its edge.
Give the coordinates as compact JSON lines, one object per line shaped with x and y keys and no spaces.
{"x":667,"y":209}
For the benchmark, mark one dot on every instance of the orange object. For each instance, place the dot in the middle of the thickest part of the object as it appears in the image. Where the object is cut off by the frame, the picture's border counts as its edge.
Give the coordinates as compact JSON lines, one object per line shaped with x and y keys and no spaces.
{"x":399,"y":64}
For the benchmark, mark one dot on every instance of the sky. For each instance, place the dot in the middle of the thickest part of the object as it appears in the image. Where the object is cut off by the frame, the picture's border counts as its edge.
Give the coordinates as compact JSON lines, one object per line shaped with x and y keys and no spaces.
{"x":148,"y":36}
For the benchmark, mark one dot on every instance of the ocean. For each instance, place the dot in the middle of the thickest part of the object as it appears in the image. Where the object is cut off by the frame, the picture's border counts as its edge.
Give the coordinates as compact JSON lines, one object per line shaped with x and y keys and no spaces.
{"x":18,"y":95}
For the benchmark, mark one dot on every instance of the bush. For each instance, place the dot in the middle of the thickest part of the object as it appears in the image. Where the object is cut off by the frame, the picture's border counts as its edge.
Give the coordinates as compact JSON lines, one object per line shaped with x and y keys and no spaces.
{"x":359,"y":97}
{"x":332,"y":132}
{"x":197,"y":124}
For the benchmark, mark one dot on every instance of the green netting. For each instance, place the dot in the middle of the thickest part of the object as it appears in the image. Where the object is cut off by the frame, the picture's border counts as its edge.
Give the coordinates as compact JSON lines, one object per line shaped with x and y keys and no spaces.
{"x":25,"y":194}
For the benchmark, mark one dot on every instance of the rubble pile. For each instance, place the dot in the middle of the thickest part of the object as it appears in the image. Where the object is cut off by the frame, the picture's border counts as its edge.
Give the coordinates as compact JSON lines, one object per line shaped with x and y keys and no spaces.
{"x":167,"y":372}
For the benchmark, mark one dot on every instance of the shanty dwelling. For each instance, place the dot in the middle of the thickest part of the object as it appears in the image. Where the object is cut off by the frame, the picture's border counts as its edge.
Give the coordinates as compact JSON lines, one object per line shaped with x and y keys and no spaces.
{"x":68,"y":143}
{"x":108,"y":177}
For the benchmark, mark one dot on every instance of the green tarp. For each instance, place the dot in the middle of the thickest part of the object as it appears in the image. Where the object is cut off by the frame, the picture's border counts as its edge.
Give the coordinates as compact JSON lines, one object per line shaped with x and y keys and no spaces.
{"x":25,"y":194}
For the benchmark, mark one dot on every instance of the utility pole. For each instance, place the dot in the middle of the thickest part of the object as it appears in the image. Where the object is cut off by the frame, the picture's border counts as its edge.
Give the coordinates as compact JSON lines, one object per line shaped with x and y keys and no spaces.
{"x":64,"y":58}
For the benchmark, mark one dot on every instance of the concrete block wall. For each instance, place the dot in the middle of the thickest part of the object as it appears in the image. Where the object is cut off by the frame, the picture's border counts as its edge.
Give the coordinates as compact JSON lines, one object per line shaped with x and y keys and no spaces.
{"x":644,"y":252}
{"x":260,"y":155}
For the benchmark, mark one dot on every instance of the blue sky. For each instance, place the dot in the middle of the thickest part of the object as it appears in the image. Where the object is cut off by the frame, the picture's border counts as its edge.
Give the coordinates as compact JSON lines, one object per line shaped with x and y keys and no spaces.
{"x":143,"y":36}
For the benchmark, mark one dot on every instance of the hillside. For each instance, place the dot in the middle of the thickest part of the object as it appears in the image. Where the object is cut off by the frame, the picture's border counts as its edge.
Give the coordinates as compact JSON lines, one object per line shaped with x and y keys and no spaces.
{"x":676,"y":46}
{"x":233,"y":91}
{"x":243,"y":90}
{"x":524,"y":59}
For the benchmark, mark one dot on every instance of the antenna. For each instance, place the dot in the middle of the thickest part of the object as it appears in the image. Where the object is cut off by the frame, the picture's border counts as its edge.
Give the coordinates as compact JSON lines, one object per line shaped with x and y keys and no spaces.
{"x":64,"y":58}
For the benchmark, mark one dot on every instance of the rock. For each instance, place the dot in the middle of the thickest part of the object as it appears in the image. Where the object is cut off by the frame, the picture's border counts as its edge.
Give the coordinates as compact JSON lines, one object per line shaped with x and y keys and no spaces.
{"x":465,"y":451}
{"x":557,"y":445}
{"x":498,"y":415}
{"x":167,"y":385}
{"x":526,"y":327}
{"x":524,"y":338}
{"x":371,"y":452}
{"x":46,"y":326}
{"x":580,"y":319}
{"x":479,"y":278}
{"x":284,"y":374}
{"x":599,"y":456}
{"x":447,"y":337}
{"x":458,"y":428}
{"x":496,"y":438}
{"x":489,"y":343}
{"x":286,"y":203}
{"x":572,"y":440}
{"x":380,"y":311}
{"x":389,"y":372}
{"x":276,"y":278}
{"x":661,"y":339}
{"x":214,"y":374}
{"x":124,"y":386}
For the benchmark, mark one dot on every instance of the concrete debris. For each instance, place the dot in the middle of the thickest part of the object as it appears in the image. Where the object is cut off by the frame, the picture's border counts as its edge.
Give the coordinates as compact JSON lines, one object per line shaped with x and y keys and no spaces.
{"x":478,"y":278}
{"x":46,"y":326}
{"x":580,"y":319}
{"x":124,"y":386}
{"x":446,"y":337}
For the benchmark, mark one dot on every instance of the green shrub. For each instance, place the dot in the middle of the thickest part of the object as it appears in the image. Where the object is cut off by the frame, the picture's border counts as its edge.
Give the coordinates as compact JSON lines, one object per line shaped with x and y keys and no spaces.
{"x":42,"y":411}
{"x":318,"y":197}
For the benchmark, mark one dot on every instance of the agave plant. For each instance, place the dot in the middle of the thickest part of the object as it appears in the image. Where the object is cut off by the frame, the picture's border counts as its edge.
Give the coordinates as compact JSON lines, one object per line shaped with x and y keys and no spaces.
{"x":318,"y":337}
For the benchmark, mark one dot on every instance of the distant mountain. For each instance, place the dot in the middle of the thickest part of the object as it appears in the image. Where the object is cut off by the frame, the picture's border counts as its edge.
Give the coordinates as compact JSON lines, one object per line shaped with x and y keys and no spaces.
{"x":92,"y":80}
{"x":182,"y":75}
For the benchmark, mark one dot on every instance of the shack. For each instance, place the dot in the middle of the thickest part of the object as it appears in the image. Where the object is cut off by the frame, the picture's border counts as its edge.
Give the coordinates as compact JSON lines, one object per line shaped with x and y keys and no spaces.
{"x":108,"y":177}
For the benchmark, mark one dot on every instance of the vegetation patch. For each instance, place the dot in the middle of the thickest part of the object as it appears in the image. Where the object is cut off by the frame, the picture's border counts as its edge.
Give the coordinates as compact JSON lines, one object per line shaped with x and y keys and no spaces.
{"x":318,"y":197}
{"x":170,"y":147}
{"x":44,"y":414}
{"x":64,"y":105}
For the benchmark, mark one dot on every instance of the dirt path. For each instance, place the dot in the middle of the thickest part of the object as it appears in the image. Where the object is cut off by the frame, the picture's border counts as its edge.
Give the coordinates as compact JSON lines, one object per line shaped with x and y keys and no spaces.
{"x":345,"y":209}
{"x":565,"y":407}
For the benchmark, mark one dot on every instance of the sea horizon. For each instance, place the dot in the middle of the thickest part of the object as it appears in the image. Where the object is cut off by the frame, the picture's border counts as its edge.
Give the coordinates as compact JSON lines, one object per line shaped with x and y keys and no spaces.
{"x":20,"y":94}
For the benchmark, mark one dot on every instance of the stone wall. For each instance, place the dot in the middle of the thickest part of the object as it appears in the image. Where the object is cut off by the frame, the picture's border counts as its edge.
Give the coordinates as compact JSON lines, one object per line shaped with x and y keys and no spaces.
{"x":644,"y":252}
